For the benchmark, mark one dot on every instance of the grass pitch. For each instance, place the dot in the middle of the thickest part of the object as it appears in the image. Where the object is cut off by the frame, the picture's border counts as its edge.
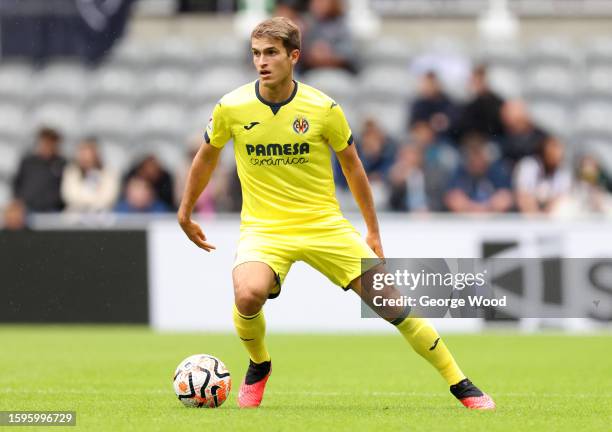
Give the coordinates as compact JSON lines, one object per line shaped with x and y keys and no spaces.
{"x":120,"y":378}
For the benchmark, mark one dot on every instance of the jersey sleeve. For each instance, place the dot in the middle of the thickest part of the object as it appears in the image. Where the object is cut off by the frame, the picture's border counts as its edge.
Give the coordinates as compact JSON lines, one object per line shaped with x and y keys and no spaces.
{"x":337,"y":130}
{"x":218,"y":131}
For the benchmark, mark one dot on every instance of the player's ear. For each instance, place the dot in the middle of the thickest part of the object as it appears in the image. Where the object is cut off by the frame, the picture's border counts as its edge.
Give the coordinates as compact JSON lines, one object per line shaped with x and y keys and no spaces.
{"x":295,"y":56}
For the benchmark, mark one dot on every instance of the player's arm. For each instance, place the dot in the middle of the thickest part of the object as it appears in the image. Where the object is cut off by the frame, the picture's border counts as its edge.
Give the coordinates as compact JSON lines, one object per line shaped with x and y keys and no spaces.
{"x":360,"y":188}
{"x":201,"y":170}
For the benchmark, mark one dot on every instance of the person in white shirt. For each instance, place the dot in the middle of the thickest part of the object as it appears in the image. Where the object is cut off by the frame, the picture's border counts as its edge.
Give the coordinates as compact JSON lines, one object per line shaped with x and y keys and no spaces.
{"x":541,"y":181}
{"x":87,"y":185}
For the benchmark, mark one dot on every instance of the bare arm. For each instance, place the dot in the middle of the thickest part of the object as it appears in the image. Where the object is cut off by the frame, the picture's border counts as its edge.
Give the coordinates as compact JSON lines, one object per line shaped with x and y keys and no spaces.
{"x":527,"y":202}
{"x":360,"y":188}
{"x":201,"y":170}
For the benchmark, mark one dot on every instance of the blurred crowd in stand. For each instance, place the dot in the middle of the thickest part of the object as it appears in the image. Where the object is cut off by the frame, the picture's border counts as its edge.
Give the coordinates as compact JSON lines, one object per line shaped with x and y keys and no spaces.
{"x":483,"y":154}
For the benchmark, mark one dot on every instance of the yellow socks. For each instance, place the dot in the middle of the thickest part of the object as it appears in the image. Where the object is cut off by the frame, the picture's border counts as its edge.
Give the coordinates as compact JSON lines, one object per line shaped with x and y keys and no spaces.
{"x":426,"y":341}
{"x":252,"y":329}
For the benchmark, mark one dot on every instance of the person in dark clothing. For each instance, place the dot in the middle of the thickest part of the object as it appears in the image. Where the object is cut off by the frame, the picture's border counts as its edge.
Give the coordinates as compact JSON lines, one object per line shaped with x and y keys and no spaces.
{"x":408,"y":181}
{"x":433,"y":106}
{"x":140,"y":198}
{"x":39,"y":177}
{"x":482,"y":114}
{"x":327,"y":39}
{"x":521,"y":137}
{"x":376,"y":150}
{"x":160,"y":180}
{"x":478,"y":185}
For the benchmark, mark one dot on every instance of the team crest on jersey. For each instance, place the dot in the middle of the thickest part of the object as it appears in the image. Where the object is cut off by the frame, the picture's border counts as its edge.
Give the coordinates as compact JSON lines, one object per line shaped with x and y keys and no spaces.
{"x":300,"y":125}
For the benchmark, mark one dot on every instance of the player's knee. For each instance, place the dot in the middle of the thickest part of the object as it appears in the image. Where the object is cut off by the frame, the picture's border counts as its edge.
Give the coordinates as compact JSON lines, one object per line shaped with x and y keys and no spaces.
{"x":249,"y":297}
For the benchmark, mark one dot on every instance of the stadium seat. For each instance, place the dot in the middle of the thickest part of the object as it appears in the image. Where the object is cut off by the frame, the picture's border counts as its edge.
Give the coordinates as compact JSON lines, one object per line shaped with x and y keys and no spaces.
{"x":598,"y":82}
{"x":61,"y":116}
{"x":197,"y":119}
{"x":60,"y":82}
{"x":173,"y":155}
{"x":384,"y":83}
{"x":504,"y":55}
{"x":593,"y":120}
{"x":115,"y":84}
{"x":598,"y":51}
{"x":14,"y":124}
{"x":392,"y":117}
{"x":336,"y":83}
{"x":552,"y":51}
{"x":166,"y":85}
{"x":552,"y":117}
{"x":212,"y":84}
{"x":15,"y":82}
{"x":552,"y":81}
{"x":116,"y":155}
{"x":109,"y":121}
{"x":230,"y":52}
{"x":506,"y":81}
{"x":136,"y":56}
{"x":176,"y":52}
{"x":161,"y":121}
{"x":10,"y":154}
{"x":386,"y":51}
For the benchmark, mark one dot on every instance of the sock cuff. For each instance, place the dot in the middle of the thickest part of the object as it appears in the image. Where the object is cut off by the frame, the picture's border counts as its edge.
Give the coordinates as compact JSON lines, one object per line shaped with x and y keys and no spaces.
{"x":402,"y":317}
{"x":246,"y":317}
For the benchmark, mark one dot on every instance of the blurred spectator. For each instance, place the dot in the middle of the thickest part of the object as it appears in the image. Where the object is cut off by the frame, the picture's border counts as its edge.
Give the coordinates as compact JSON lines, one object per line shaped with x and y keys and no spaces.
{"x":590,"y":172}
{"x":521,"y":136}
{"x":39,"y":175}
{"x":291,"y":9}
{"x":217,"y":196}
{"x":376,"y":151}
{"x":590,"y":191}
{"x":433,"y":106}
{"x":160,"y":180}
{"x":482,"y":114}
{"x":440,"y":161}
{"x":541,"y":181}
{"x":14,"y":217}
{"x":327,"y":40}
{"x":407,"y":180}
{"x":140,"y":198}
{"x":87,"y":185}
{"x":478,"y":186}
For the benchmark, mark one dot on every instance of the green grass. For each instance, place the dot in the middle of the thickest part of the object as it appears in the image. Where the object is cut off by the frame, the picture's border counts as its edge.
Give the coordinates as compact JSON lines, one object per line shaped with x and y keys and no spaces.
{"x":120,"y":378}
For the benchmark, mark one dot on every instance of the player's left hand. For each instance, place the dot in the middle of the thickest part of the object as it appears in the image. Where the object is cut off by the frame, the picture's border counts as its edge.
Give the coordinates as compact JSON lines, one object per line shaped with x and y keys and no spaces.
{"x":373,"y":240}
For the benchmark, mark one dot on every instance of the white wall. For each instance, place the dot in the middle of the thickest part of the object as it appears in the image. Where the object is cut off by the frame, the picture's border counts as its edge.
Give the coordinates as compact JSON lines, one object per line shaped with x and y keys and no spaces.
{"x":191,"y":289}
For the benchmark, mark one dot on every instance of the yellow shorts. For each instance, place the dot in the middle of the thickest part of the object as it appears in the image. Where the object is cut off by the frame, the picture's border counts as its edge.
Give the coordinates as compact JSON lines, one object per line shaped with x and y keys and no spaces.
{"x":334,"y":251}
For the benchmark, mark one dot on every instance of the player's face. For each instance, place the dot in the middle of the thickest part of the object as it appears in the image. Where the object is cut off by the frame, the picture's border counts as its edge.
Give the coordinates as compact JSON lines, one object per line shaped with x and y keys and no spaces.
{"x":274,"y":65}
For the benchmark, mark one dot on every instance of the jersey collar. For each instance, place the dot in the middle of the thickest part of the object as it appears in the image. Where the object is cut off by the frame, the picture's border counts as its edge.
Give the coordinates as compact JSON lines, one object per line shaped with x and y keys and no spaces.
{"x":275,"y":106}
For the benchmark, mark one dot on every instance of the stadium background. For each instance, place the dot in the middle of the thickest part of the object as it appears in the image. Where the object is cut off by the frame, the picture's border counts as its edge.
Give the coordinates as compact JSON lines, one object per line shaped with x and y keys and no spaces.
{"x":142,"y":78}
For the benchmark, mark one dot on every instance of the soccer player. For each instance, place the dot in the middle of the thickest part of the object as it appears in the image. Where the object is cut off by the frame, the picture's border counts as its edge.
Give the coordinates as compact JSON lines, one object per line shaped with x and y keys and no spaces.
{"x":283,"y":133}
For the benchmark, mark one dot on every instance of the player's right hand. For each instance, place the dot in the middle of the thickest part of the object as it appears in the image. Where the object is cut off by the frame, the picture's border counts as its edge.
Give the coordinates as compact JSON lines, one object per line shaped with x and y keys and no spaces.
{"x":195,"y":234}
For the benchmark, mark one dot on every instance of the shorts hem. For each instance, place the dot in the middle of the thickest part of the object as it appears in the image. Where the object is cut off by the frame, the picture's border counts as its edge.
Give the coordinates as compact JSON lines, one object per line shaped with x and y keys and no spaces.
{"x":346,"y":286}
{"x":277,"y":277}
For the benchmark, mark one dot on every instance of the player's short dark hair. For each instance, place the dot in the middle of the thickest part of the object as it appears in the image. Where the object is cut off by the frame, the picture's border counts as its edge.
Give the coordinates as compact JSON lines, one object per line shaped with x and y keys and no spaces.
{"x":49,"y":134}
{"x":279,"y":28}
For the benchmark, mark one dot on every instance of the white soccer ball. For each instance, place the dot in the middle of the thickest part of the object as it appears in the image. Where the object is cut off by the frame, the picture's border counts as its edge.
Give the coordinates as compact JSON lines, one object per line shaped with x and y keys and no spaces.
{"x":202,"y":380}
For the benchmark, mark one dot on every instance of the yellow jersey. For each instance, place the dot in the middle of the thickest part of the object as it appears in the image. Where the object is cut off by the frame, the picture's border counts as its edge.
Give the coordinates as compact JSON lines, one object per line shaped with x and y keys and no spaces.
{"x":283,"y":155}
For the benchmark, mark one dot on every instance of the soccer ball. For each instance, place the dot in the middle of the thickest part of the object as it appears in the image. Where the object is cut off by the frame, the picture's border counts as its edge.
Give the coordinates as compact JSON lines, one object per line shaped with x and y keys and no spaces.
{"x":202,"y":380}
